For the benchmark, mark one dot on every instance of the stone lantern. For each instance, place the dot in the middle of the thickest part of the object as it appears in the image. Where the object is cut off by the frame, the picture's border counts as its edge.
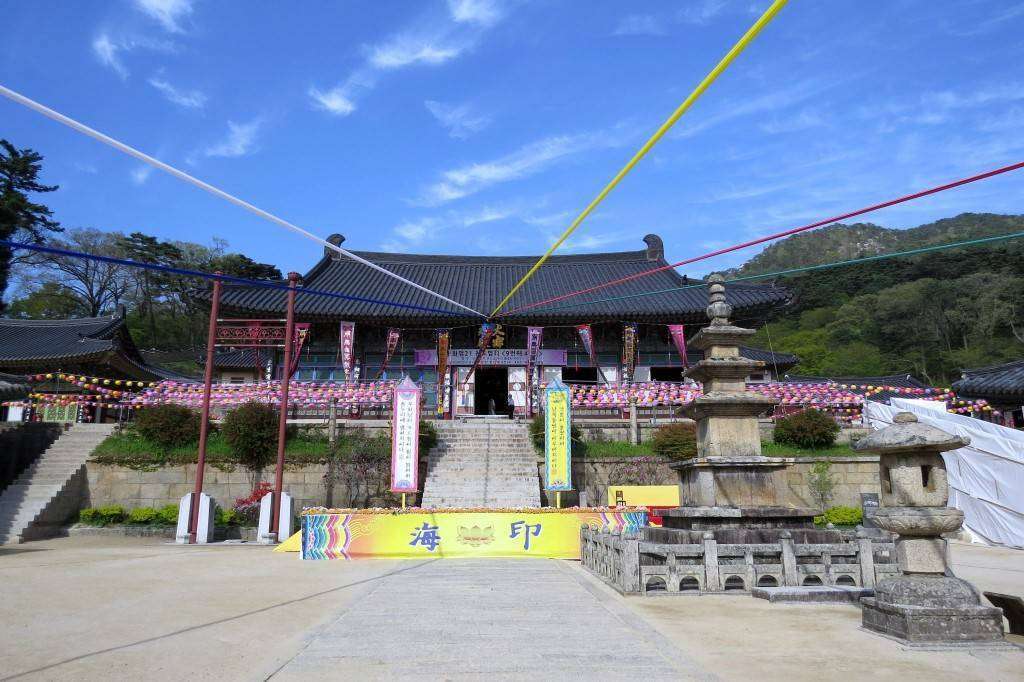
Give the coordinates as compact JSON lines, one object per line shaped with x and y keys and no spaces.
{"x":925,"y":605}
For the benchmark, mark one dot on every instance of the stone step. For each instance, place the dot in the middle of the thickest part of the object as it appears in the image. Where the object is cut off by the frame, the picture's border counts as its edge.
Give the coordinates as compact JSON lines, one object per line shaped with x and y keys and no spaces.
{"x":27,"y":499}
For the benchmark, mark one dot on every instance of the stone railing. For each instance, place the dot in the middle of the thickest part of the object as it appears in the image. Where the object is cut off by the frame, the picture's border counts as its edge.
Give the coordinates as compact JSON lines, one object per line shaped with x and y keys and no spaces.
{"x":635,"y":565}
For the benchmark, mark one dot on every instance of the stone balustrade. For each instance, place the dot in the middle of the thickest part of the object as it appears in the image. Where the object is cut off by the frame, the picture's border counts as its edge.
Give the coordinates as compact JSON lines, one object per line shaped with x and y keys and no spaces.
{"x":634,"y":565}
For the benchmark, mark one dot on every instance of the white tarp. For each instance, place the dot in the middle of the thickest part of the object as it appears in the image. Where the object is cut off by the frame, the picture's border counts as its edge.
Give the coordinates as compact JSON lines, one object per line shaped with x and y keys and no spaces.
{"x":986,"y":478}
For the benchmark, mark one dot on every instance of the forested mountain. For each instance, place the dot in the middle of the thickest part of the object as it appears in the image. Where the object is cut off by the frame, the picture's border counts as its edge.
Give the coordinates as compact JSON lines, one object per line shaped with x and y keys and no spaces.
{"x":929,"y":315}
{"x":844,"y":242}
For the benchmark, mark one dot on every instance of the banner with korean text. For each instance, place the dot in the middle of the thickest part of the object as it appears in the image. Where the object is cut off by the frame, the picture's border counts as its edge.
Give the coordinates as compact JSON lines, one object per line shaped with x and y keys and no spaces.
{"x":405,"y":438}
{"x":557,"y":437}
{"x":355,"y":534}
{"x":346,"y":347}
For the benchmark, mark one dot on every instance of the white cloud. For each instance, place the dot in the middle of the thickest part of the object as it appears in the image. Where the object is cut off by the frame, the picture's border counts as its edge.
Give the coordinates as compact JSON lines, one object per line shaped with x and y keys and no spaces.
{"x":483,"y":12}
{"x":414,"y":231}
{"x":86,"y":168}
{"x":169,"y":13}
{"x":192,"y":99}
{"x":639,"y":25}
{"x":527,"y":160}
{"x":405,"y":50}
{"x":109,"y":49}
{"x":106,"y":50}
{"x":487,"y":214}
{"x":459,"y":120}
{"x":589,"y":241}
{"x":431,"y":41}
{"x":775,"y":101}
{"x":949,"y":99}
{"x":802,"y":121}
{"x":240,"y":140}
{"x":700,"y":13}
{"x":336,"y":101}
{"x":549,"y":219}
{"x":141,"y":174}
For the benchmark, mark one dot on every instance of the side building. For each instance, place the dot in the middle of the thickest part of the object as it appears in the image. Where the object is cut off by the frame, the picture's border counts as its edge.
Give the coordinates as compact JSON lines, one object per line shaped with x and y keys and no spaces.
{"x":90,"y":347}
{"x":642,"y":306}
{"x":1001,"y":385}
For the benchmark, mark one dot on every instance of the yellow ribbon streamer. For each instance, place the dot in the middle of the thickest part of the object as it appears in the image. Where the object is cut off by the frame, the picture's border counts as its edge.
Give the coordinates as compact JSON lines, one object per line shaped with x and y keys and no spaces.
{"x":730,"y":56}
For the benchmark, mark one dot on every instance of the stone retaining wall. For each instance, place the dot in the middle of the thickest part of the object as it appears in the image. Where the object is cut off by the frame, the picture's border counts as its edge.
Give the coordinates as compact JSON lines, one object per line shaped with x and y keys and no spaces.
{"x":111,"y":484}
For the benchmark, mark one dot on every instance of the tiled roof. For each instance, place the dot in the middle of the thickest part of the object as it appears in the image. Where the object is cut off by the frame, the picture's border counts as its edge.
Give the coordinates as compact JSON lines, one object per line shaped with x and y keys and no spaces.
{"x":12,"y":387}
{"x":480,"y":282}
{"x":37,"y":345}
{"x":244,"y":358}
{"x":998,"y":382}
{"x":27,"y":341}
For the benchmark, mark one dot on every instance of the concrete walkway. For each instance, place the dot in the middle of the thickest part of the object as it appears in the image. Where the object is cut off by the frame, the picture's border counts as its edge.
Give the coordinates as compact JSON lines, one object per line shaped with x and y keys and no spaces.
{"x":489,"y":619}
{"x":94,"y":608}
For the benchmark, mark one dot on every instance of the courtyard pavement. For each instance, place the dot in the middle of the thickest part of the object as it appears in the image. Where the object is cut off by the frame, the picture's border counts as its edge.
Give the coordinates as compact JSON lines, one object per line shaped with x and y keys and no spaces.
{"x":100,"y":608}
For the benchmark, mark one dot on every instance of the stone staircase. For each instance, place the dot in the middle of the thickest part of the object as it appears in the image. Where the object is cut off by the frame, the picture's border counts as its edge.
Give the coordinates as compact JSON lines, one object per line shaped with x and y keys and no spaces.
{"x":482,"y":463}
{"x":50,"y":491}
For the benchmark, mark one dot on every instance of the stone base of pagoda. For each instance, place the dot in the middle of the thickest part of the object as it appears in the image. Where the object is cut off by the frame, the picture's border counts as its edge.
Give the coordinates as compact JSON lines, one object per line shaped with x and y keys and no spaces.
{"x":932,"y":611}
{"x":738,"y":518}
{"x":730,"y":481}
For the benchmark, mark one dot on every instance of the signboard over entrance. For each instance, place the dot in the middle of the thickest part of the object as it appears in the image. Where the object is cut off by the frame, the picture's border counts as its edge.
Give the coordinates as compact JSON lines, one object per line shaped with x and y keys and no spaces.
{"x":499,"y":357}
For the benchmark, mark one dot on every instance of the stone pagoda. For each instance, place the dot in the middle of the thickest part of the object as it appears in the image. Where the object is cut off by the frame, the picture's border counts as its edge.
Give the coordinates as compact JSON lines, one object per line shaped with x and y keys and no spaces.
{"x":729,"y":484}
{"x":925,"y":605}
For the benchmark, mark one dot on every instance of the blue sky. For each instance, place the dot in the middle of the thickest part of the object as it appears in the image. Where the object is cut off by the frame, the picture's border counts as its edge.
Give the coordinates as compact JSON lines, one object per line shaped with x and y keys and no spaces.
{"x":483,"y":127}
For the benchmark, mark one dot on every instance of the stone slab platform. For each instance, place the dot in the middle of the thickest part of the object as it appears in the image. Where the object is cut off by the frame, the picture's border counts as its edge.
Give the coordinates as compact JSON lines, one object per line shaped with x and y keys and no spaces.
{"x":838,"y":594}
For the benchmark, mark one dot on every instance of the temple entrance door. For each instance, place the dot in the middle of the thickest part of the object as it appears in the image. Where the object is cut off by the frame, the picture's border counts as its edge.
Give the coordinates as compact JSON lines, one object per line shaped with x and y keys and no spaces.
{"x":491,"y":384}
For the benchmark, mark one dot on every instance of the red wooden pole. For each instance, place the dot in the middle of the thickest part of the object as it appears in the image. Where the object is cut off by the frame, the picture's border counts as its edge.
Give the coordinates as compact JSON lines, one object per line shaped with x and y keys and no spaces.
{"x":282,"y":424}
{"x":211,"y":341}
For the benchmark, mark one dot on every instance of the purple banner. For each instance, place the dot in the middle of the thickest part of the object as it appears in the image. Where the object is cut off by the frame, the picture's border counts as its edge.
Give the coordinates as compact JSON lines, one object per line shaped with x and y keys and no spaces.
{"x":587,"y":338}
{"x":678,"y":334}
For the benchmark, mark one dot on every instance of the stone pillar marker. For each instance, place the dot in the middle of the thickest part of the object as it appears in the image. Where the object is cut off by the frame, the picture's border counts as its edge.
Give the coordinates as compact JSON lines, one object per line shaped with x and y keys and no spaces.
{"x":925,"y":605}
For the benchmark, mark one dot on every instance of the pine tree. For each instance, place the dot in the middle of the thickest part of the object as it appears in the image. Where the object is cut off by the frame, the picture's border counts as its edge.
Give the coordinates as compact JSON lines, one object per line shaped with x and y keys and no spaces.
{"x":21,"y":220}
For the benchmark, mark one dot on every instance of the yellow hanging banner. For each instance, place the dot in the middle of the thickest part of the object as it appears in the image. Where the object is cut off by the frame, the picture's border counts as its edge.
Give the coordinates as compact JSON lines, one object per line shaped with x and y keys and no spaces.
{"x":557,"y":438}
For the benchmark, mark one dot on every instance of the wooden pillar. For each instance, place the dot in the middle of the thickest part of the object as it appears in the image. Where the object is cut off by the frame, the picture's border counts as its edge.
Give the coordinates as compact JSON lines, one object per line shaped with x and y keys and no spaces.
{"x":204,"y":428}
{"x":282,"y":424}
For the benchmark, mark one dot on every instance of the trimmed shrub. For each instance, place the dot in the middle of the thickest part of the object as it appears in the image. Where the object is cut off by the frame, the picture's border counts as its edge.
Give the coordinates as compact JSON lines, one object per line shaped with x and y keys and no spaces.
{"x":103,"y":516}
{"x":143,"y":515}
{"x":167,"y":515}
{"x":168,"y":425}
{"x":225,"y":517}
{"x":251,"y":432}
{"x":841,"y":516}
{"x":675,"y":441}
{"x":811,"y":429}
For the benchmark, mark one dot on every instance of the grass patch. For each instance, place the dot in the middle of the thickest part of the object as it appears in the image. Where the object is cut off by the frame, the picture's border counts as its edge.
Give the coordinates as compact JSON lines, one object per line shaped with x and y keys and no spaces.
{"x":778,"y":450}
{"x":129,"y":449}
{"x":615,"y":449}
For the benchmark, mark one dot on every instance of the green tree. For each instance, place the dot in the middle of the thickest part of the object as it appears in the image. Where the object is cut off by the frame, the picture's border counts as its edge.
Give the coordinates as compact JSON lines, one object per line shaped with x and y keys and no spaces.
{"x":21,"y":219}
{"x":50,"y":301}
